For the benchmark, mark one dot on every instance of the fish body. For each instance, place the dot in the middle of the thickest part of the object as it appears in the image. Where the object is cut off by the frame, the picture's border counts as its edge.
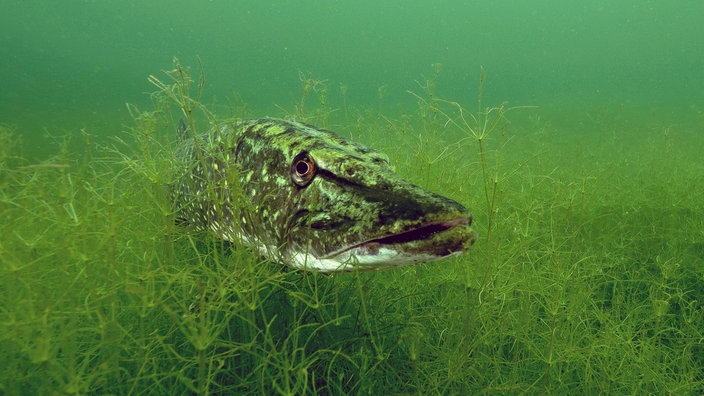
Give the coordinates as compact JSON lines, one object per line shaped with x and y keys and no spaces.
{"x":309,"y":198}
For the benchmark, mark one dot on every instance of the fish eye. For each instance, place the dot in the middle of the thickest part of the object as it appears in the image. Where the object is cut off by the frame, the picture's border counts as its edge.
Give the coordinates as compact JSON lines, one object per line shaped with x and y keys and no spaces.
{"x":303,"y":169}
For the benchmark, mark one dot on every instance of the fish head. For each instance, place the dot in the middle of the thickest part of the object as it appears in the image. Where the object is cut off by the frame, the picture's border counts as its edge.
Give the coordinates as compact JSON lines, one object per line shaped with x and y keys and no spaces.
{"x":320,"y":202}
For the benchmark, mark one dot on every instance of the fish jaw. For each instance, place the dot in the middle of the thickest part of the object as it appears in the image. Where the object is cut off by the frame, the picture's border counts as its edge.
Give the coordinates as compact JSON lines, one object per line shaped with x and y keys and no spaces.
{"x":424,"y":244}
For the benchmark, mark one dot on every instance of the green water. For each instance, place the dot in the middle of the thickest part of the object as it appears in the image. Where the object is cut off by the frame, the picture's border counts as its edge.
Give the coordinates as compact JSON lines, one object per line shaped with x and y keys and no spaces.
{"x":588,"y":277}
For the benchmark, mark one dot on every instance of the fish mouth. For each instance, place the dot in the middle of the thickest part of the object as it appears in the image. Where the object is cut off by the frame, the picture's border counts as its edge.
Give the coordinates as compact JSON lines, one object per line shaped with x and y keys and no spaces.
{"x":424,"y":232}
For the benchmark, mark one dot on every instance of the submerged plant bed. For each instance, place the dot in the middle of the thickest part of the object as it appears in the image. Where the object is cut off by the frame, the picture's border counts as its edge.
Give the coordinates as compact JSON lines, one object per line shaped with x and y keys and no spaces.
{"x":586,"y":278}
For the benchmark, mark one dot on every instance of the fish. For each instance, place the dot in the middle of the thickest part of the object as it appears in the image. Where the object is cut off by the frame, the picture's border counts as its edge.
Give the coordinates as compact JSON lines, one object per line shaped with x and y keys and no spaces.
{"x":309,"y":198}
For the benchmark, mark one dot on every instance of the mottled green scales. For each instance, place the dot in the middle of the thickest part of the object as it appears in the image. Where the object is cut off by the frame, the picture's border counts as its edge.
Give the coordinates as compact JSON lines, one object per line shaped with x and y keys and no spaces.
{"x":309,"y":198}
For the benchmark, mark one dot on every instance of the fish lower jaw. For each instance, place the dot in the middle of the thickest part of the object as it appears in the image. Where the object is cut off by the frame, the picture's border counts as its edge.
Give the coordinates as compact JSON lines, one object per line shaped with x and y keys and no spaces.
{"x":360,"y":259}
{"x":447,"y":239}
{"x":430,"y":242}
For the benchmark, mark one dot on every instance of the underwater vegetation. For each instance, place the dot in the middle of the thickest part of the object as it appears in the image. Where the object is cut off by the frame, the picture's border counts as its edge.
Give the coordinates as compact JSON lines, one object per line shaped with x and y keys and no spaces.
{"x":587,"y":278}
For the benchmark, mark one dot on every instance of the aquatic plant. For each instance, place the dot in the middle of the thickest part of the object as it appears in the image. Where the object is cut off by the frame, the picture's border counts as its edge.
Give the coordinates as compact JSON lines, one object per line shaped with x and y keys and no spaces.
{"x":586,"y":278}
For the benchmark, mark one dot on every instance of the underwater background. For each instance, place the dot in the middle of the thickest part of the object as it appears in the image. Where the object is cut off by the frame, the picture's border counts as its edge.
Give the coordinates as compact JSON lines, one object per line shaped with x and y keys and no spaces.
{"x":572,"y":130}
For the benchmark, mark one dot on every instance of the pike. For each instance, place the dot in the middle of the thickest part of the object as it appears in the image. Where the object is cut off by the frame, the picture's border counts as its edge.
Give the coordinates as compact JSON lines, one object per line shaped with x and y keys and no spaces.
{"x":309,"y":198}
